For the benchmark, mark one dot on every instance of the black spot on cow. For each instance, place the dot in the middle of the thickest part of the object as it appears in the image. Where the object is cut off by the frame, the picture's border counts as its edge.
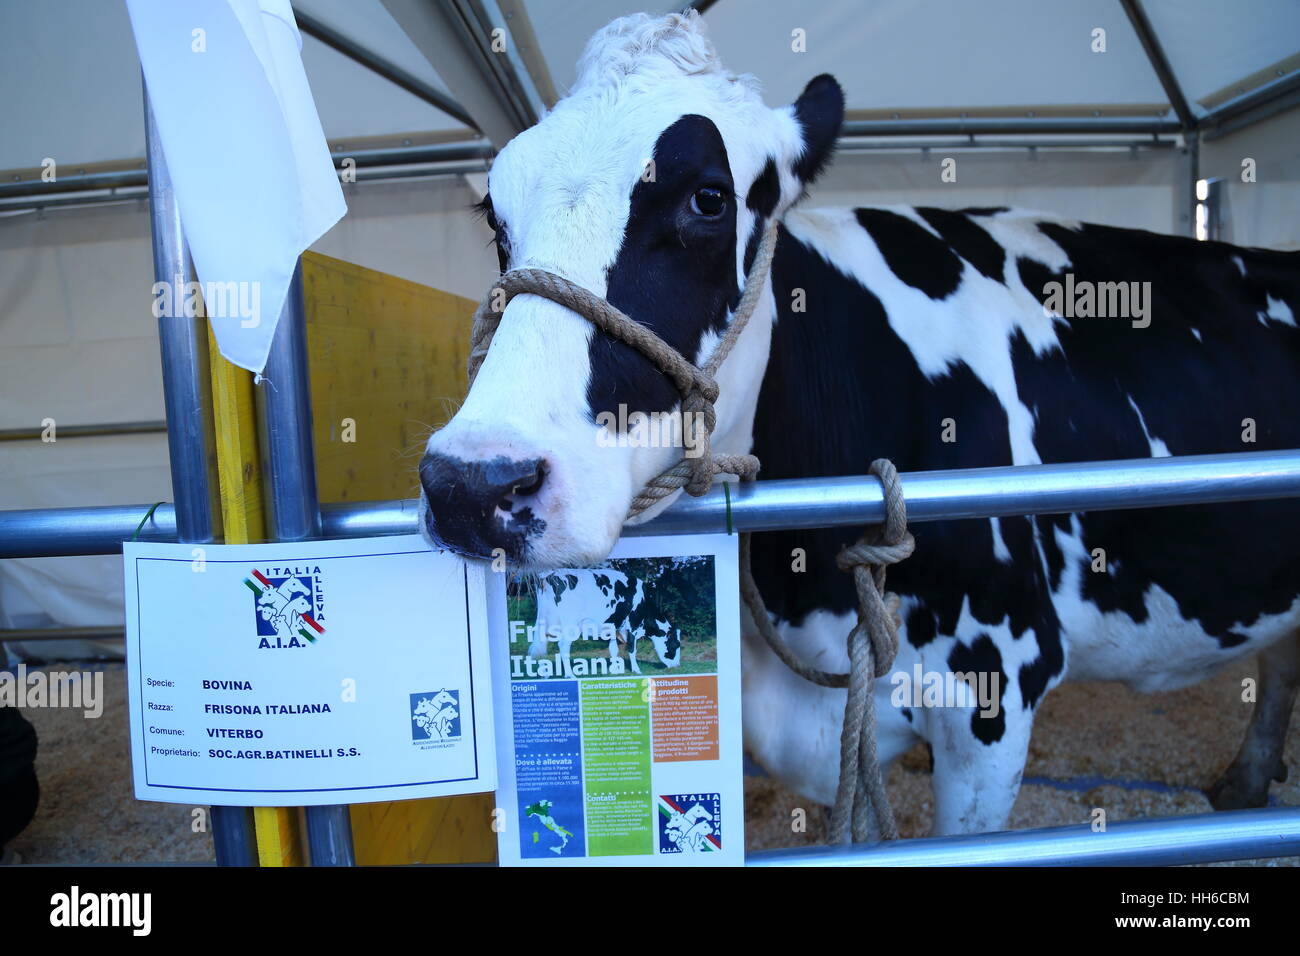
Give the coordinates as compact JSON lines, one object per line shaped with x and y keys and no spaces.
{"x":765,"y":192}
{"x":983,"y":660}
{"x":1047,"y":666}
{"x":672,"y":644}
{"x":603,"y":582}
{"x":982,"y":210}
{"x":675,"y":271}
{"x":915,"y":255}
{"x":559,"y":583}
{"x":1052,"y":554}
{"x":762,"y":199}
{"x":969,"y":240}
{"x":624,"y":593}
{"x":751,"y":252}
{"x":920,"y":626}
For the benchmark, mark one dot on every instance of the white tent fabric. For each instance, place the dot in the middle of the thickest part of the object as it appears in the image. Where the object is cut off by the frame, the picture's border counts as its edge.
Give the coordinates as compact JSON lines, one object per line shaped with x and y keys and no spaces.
{"x":901,"y":53}
{"x":245,"y":151}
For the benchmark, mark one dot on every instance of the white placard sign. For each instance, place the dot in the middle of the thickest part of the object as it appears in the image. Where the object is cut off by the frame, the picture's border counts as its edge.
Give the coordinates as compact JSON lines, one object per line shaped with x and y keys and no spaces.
{"x":617,"y":699}
{"x":303,"y":674}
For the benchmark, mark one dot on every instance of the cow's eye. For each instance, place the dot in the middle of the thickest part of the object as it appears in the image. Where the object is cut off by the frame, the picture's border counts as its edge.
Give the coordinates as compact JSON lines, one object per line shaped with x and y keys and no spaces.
{"x":709,"y":202}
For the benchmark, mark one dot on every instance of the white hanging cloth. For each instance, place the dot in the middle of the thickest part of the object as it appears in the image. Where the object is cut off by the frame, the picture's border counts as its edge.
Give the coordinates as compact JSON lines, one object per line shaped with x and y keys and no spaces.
{"x":247,"y":157}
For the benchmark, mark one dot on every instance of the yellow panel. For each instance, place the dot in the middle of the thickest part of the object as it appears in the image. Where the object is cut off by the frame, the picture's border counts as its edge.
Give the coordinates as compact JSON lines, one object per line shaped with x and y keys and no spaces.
{"x":387,"y":367}
{"x":388,"y":357}
{"x":279,"y":835}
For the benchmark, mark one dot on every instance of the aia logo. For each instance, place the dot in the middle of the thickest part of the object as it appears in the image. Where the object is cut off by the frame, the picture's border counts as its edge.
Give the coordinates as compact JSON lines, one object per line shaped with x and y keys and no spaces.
{"x":288,"y":604}
{"x":690,"y":822}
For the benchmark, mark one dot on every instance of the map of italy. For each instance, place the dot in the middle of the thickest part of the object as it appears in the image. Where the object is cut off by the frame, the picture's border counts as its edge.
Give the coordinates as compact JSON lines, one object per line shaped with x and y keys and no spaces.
{"x":542,"y":810}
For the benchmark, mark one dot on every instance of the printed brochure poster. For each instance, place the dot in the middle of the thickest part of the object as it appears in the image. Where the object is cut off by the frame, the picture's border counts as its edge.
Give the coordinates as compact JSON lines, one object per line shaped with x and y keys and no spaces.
{"x":310,"y":673}
{"x":617,"y":695}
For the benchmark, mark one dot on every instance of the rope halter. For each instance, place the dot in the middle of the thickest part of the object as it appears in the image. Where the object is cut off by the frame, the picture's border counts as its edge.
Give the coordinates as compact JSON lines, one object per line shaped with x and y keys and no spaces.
{"x":697,"y":386}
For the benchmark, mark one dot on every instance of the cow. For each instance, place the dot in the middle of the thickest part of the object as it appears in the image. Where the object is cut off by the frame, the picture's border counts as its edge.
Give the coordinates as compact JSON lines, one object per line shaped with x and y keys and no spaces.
{"x":600,"y":604}
{"x":941,"y":339}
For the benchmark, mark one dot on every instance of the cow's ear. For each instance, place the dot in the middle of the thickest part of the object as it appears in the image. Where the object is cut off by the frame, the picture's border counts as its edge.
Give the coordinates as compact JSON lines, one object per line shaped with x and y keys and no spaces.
{"x":819,"y":111}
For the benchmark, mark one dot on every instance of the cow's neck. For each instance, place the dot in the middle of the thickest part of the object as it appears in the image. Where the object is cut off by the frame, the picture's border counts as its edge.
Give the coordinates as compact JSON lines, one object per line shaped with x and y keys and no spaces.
{"x":740,"y":380}
{"x":828,"y":406}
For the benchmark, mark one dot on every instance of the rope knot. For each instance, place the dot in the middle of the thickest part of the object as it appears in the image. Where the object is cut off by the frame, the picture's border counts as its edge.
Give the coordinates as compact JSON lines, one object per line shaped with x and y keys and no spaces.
{"x":875,"y":553}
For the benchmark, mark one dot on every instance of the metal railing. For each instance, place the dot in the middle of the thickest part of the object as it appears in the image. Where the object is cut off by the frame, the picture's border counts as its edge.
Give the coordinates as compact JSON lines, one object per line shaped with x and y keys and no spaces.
{"x":1167,"y":841}
{"x":770,"y":505}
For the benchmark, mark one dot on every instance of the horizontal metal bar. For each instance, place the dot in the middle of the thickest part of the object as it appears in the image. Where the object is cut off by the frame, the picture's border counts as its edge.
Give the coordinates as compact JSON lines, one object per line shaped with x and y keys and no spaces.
{"x":77,"y":182}
{"x":991,"y":492}
{"x":1277,"y":97}
{"x":861,"y":145}
{"x":773,"y":505}
{"x":84,"y":431}
{"x":62,"y":634}
{"x":364,"y":174}
{"x":1167,"y":841}
{"x":407,"y":155}
{"x":81,"y":198}
{"x":995,"y":125}
{"x":452,"y":152}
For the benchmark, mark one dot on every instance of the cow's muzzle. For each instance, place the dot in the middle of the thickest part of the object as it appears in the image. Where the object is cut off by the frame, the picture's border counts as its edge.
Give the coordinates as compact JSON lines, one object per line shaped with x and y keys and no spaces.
{"x":482,"y":509}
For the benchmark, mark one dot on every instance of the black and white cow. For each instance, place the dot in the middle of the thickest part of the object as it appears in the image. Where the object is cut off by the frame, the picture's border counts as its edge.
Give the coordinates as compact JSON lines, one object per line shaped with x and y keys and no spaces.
{"x":913,"y":333}
{"x":600,"y":604}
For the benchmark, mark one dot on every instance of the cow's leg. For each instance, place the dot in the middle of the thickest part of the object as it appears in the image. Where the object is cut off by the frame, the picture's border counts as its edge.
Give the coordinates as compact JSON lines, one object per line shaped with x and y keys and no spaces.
{"x":792,"y":727}
{"x":1245,"y":783}
{"x":976,"y":772}
{"x":566,"y":663}
{"x":613,"y":650}
{"x":632,"y":638}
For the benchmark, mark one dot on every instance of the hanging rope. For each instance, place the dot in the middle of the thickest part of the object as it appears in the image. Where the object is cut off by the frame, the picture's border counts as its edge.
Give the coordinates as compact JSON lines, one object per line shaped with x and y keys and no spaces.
{"x":861,"y":802}
{"x":862,"y":806}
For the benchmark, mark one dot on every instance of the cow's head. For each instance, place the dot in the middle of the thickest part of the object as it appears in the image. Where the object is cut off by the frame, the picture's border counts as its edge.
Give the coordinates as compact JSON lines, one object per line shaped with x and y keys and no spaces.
{"x":650,"y":185}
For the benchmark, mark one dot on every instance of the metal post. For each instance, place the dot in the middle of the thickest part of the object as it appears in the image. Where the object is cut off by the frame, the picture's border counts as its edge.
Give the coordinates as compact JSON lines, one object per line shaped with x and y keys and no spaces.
{"x":191,"y":439}
{"x":289,"y":471}
{"x":1214,"y":195}
{"x":1185,"y":185}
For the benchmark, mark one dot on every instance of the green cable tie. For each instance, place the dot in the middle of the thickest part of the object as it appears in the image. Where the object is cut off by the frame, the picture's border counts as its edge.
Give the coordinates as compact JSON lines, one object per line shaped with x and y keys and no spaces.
{"x":148,"y":515}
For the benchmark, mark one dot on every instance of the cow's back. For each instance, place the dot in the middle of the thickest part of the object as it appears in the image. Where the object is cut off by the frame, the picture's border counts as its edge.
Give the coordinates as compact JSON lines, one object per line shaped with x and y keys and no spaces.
{"x":925,"y":339}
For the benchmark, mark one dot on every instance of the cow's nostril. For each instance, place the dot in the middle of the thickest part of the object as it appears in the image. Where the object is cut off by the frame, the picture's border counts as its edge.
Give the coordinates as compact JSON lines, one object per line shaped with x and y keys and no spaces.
{"x":476,"y":506}
{"x":530,"y":486}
